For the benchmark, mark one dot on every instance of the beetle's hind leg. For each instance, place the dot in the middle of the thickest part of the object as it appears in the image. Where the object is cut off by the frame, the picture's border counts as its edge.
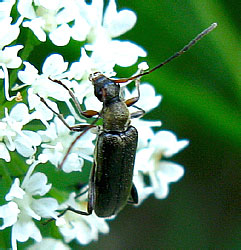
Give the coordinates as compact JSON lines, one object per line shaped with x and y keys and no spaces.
{"x":69,"y":209}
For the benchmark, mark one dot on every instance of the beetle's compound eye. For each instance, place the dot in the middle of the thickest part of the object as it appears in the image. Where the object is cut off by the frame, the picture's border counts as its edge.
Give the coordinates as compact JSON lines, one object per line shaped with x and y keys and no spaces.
{"x":93,"y":76}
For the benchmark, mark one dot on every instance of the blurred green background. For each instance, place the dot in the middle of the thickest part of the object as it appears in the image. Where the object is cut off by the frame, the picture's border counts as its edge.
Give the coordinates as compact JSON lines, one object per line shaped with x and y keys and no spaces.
{"x":201,"y":102}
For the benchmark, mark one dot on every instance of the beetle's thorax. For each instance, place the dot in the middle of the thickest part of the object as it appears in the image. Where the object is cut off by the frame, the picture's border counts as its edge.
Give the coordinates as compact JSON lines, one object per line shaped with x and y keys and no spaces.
{"x":116,"y":116}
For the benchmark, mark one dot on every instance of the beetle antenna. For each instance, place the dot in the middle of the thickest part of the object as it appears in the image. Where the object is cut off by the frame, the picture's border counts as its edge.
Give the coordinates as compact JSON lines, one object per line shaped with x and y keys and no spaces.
{"x":180,"y":52}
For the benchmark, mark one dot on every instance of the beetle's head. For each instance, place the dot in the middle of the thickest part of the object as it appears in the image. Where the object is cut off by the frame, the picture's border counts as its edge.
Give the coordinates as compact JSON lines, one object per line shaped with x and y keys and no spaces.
{"x":105,"y":89}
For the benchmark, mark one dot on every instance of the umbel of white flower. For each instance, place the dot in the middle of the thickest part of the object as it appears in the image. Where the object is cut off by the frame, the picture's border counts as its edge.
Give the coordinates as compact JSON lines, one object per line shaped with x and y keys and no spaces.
{"x":62,"y":21}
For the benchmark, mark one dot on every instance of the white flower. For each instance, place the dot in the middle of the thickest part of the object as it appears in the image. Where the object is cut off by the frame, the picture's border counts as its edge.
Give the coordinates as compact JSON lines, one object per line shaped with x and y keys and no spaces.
{"x":49,"y":243}
{"x":148,"y":101}
{"x":22,"y":207}
{"x":57,"y":139}
{"x":80,"y":227}
{"x":9,"y":57}
{"x":102,"y":28}
{"x":54,"y":67}
{"x":9,"y":33}
{"x":143,"y":189}
{"x":48,"y":16}
{"x":161,"y":173}
{"x":12,"y":137}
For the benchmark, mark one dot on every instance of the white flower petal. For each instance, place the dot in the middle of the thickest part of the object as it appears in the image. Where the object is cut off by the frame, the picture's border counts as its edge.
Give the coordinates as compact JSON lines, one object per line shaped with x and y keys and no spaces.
{"x":5,"y":7}
{"x":54,"y":65}
{"x":42,"y":112}
{"x":4,"y":154}
{"x":167,"y":143}
{"x":9,"y":32}
{"x":9,"y":57}
{"x":23,"y":146}
{"x":143,"y":157}
{"x":160,"y":188}
{"x":61,"y":128}
{"x":165,"y":173}
{"x":25,"y":229}
{"x":172,"y":172}
{"x":15,"y":191}
{"x":117,"y":23}
{"x":147,"y":93}
{"x":73,"y":163}
{"x":36,"y":26}
{"x":145,"y":131}
{"x":45,"y":207}
{"x":49,"y":243}
{"x":9,"y":214}
{"x":61,"y":35}
{"x":80,"y":29}
{"x":37,"y":184}
{"x":20,"y":113}
{"x":126,"y":53}
{"x":49,"y":134}
{"x":29,"y":74}
{"x":33,"y":137}
{"x":50,"y":5}
{"x":26,"y":9}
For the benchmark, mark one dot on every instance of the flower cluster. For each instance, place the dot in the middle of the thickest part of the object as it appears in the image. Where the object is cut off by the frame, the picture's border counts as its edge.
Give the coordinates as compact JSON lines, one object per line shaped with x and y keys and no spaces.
{"x":63,"y":21}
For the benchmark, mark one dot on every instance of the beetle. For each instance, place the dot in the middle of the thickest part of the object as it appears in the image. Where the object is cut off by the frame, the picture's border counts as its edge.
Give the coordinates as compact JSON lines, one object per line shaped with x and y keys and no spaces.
{"x":110,"y":182}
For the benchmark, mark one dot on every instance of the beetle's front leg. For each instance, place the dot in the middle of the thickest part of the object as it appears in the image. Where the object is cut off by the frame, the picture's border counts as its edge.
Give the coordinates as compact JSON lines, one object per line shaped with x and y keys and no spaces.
{"x":133,"y":100}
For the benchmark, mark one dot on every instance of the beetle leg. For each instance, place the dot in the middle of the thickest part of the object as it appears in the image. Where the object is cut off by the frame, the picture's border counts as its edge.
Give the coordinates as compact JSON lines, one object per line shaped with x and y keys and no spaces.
{"x":77,"y":127}
{"x":90,"y":207}
{"x":133,"y":100}
{"x":139,"y":113}
{"x":60,"y":116}
{"x":86,"y":113}
{"x":133,"y":199}
{"x":68,"y":209}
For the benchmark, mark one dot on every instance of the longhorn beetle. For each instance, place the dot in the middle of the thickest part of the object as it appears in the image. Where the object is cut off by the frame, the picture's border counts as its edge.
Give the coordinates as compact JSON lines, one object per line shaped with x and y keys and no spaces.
{"x":110,"y":182}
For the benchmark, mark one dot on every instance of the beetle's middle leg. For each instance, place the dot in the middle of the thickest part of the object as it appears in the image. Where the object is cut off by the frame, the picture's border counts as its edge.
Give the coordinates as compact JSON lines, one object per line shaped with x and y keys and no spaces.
{"x":77,"y":128}
{"x":83,"y":128}
{"x":85,"y":113}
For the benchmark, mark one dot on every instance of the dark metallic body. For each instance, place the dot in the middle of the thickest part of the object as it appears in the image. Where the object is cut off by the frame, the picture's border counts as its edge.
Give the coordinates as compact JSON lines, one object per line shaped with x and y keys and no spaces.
{"x":110,"y":185}
{"x":113,"y":171}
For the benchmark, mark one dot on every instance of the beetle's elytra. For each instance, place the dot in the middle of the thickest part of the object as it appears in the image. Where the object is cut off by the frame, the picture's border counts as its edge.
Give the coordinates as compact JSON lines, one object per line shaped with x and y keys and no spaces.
{"x":110,"y":182}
